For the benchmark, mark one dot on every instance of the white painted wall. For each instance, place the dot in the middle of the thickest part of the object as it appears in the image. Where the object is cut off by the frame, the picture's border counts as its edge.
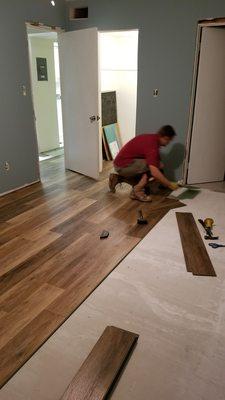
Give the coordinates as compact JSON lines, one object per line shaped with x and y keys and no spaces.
{"x":44,"y":94}
{"x":119,"y":65}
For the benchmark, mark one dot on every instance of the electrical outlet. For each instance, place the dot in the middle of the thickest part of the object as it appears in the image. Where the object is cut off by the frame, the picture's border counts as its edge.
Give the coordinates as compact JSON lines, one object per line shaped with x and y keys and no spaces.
{"x":6,"y":166}
{"x":155,"y":92}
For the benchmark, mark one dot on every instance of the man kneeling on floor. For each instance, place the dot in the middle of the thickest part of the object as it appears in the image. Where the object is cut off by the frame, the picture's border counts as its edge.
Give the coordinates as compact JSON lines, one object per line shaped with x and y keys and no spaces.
{"x":140,"y":157}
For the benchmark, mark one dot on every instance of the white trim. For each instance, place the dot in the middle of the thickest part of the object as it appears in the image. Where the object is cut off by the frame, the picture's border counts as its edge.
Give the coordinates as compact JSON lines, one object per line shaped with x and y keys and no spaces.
{"x":20,"y":187}
{"x":193,"y":93}
{"x":208,"y":24}
{"x":118,"y":30}
{"x":40,"y":28}
{"x":43,"y":28}
{"x":32,"y":99}
{"x":192,"y":104}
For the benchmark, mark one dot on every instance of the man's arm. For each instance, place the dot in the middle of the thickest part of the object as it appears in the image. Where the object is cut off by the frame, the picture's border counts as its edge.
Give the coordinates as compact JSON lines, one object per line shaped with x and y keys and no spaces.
{"x":158,"y":175}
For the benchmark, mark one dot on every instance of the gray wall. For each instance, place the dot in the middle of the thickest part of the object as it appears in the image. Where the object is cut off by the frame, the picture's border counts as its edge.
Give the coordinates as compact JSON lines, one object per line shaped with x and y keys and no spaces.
{"x":166,"y":55}
{"x":17,"y":135}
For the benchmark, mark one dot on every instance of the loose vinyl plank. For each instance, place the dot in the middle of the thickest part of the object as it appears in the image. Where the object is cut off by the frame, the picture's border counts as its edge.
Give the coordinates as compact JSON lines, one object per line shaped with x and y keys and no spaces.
{"x":195,"y":254}
{"x":99,"y":371}
{"x":52,"y":258}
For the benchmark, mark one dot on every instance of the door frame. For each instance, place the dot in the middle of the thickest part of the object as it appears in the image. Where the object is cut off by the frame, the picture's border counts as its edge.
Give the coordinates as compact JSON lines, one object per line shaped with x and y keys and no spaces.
{"x":214,"y":22}
{"x":38,"y":26}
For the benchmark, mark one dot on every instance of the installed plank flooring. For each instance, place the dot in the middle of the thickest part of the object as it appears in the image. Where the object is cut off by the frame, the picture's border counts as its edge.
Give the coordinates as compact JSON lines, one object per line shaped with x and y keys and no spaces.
{"x":99,"y":371}
{"x":51,"y":254}
{"x":195,"y":254}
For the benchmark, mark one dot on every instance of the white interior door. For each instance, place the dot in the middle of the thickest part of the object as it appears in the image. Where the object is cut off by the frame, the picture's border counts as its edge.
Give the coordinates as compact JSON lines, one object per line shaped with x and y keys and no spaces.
{"x":207,"y":152}
{"x":78,"y":53}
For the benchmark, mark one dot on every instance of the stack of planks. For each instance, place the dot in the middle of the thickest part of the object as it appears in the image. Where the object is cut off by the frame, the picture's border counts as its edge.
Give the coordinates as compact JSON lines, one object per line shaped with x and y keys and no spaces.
{"x":195,"y":254}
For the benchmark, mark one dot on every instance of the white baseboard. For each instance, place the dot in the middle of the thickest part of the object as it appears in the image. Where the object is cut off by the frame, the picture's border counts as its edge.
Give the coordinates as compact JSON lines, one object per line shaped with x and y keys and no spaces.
{"x":21,"y":187}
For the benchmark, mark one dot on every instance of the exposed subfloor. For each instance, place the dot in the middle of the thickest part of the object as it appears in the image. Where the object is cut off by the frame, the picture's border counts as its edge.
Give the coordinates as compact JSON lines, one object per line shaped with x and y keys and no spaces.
{"x":216,"y":186}
{"x":180,"y":319}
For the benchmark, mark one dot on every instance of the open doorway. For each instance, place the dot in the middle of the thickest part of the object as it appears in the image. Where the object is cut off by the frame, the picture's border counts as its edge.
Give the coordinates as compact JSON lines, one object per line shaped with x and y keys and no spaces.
{"x":205,"y":152}
{"x":92,"y":64}
{"x":46,"y":90}
{"x":119,"y":72}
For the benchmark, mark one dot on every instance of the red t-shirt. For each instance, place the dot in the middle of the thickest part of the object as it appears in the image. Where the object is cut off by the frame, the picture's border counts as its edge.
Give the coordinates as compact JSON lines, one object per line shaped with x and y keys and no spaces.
{"x":142,"y":146}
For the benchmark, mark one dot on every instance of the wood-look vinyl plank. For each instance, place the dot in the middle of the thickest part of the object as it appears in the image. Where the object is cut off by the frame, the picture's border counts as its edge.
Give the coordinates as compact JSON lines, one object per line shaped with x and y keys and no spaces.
{"x":139,"y":231}
{"x":43,"y":215}
{"x":37,"y":209}
{"x":102,"y":214}
{"x":99,"y":371}
{"x":22,"y":346}
{"x":28,"y":225}
{"x":19,"y":194}
{"x":3,"y":226}
{"x":26,"y":311}
{"x":11,"y":249}
{"x":9,"y":212}
{"x":195,"y":253}
{"x":68,"y":226}
{"x":23,"y":270}
{"x":20,"y":199}
{"x":153,"y":214}
{"x":2,"y":314}
{"x":90,"y":273}
{"x":20,"y":254}
{"x":54,"y":246}
{"x":58,"y":219}
{"x":60,"y":263}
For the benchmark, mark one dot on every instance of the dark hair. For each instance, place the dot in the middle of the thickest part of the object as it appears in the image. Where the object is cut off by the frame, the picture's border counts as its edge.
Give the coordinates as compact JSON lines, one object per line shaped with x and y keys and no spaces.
{"x":167,"y":130}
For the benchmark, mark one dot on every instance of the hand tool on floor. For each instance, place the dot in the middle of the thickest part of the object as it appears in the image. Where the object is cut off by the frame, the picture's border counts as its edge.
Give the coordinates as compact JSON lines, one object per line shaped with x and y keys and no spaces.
{"x":104,"y":235}
{"x":208,"y":225}
{"x":141,"y":220}
{"x":216,"y":245}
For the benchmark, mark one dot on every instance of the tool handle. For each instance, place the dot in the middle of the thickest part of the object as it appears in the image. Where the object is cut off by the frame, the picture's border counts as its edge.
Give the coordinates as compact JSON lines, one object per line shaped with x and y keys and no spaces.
{"x":213,"y":245}
{"x":201,"y":222}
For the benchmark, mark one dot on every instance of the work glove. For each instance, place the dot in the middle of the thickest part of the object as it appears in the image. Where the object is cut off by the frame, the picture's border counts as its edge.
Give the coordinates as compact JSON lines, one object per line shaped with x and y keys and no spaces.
{"x":174,"y":186}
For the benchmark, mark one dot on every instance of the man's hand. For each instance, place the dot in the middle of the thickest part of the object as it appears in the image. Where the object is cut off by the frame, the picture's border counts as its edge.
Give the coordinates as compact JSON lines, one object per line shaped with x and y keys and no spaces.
{"x":158,"y":175}
{"x":173,"y":186}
